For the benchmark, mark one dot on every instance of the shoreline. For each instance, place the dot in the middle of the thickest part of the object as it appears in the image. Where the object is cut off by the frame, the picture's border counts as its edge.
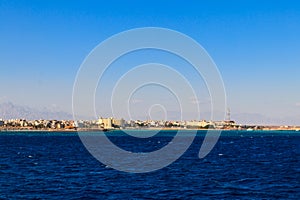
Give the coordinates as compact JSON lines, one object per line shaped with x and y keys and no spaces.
{"x":141,"y":129}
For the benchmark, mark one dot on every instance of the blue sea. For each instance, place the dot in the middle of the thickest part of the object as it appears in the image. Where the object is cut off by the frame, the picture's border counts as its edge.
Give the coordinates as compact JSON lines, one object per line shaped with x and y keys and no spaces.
{"x":243,"y":165}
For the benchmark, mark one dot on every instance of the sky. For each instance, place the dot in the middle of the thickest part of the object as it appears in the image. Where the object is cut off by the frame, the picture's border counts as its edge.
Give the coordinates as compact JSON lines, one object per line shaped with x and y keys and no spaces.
{"x":254,"y":44}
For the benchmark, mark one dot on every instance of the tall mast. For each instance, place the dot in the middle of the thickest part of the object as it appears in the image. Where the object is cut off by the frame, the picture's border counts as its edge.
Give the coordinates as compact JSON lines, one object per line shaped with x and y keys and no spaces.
{"x":228,"y":117}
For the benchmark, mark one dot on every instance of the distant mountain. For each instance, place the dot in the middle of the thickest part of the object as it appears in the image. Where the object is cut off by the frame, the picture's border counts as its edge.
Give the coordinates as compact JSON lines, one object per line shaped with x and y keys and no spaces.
{"x":259,"y":119}
{"x":255,"y":118}
{"x":9,"y":110}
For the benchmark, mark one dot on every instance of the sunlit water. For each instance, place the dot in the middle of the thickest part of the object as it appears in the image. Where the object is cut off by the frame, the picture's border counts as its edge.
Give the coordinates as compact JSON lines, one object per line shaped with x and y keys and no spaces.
{"x":243,"y":165}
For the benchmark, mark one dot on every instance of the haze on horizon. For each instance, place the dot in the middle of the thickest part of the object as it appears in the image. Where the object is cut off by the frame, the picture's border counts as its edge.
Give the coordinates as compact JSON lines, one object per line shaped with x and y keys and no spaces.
{"x":254,"y":44}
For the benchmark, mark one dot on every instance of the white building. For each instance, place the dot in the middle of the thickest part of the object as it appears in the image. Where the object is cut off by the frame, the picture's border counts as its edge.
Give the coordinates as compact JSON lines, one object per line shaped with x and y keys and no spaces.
{"x":198,"y":124}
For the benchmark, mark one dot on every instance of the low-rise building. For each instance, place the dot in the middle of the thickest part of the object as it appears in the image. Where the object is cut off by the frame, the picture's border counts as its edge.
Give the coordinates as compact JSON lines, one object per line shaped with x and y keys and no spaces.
{"x":111,"y":123}
{"x":199,"y":124}
{"x":118,"y":123}
{"x":105,"y":123}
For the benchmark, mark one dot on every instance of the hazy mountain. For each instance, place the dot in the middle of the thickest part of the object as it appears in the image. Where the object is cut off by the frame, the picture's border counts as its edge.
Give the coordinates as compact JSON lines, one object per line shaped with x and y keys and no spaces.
{"x":9,"y":110}
{"x":254,"y":118}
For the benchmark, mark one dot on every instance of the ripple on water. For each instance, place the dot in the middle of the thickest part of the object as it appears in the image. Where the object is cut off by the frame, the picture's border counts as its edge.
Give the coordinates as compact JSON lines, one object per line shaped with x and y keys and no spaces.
{"x":240,"y":166}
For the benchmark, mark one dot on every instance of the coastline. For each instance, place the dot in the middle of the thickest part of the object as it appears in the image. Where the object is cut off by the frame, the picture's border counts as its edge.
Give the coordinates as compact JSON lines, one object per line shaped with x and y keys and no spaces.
{"x":3,"y":130}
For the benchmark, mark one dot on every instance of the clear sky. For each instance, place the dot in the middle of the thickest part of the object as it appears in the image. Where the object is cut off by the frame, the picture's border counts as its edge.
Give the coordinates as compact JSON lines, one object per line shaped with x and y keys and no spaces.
{"x":255,"y":44}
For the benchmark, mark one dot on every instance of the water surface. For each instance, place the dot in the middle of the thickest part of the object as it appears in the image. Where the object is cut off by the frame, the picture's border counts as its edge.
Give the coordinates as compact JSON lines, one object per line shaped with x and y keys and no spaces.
{"x":243,"y":165}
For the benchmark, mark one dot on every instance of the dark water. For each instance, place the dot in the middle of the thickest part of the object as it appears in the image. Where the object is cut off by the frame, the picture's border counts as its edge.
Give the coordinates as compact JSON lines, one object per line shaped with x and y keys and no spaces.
{"x":243,"y":165}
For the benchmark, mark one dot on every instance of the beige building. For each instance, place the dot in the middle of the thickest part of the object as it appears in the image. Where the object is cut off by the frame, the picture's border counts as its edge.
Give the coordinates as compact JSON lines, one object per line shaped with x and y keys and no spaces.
{"x":111,"y":123}
{"x":105,"y":123}
{"x":118,"y":122}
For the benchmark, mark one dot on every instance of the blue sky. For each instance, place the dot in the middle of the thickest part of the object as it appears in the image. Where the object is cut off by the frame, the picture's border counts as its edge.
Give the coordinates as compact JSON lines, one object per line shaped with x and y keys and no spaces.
{"x":255,"y":45}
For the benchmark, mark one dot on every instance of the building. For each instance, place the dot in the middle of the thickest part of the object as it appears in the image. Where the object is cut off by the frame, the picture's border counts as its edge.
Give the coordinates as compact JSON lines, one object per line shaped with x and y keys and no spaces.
{"x":224,"y":124}
{"x":105,"y":123}
{"x":111,"y":123}
{"x":199,"y":124}
{"x":118,"y":123}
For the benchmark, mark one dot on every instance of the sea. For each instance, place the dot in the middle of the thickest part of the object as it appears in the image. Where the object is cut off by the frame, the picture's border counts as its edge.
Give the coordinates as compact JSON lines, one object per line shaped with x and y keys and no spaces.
{"x":242,"y":165}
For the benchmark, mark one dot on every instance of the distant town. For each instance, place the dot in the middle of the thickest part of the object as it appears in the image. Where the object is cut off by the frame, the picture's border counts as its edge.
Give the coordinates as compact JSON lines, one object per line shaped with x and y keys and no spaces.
{"x":109,"y":124}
